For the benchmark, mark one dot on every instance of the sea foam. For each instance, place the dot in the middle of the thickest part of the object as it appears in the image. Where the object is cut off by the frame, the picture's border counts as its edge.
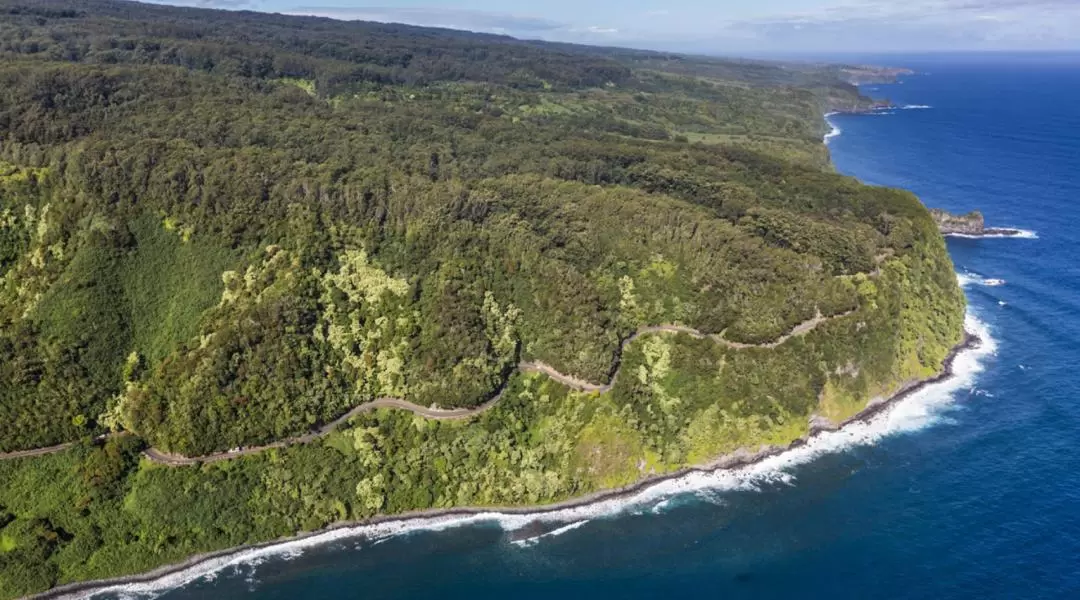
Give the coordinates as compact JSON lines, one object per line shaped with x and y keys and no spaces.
{"x":1025,"y":234}
{"x":919,"y":410}
{"x":969,"y":278}
{"x":833,"y":132}
{"x":532,"y":541}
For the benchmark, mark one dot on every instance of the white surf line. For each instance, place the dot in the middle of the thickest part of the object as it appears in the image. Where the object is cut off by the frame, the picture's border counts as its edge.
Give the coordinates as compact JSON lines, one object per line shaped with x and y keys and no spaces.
{"x":834,"y":131}
{"x":553,"y":533}
{"x":915,"y":412}
{"x":1022,"y":234}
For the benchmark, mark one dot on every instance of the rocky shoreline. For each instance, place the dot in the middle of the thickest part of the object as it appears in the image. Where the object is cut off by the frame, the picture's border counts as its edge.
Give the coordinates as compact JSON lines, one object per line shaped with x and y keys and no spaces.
{"x":970,"y":225}
{"x":737,"y":459}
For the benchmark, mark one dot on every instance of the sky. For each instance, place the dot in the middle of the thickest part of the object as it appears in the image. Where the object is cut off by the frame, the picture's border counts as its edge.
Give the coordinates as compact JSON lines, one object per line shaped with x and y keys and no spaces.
{"x":727,"y":26}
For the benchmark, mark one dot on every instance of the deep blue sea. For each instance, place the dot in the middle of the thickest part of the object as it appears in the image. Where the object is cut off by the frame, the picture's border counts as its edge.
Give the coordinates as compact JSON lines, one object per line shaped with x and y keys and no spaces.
{"x":968,"y":490}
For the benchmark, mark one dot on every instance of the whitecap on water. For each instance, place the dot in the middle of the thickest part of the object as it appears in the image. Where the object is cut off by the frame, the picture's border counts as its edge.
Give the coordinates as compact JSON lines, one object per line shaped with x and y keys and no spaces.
{"x":532,"y":541}
{"x":970,"y":278}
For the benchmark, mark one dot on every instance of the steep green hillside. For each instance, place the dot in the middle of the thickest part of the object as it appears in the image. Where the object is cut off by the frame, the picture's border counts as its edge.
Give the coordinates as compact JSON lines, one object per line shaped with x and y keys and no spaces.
{"x":229,"y":229}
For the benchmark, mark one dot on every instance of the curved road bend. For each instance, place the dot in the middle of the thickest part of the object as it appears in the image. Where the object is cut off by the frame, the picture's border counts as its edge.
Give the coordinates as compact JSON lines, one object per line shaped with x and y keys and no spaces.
{"x":569,"y":381}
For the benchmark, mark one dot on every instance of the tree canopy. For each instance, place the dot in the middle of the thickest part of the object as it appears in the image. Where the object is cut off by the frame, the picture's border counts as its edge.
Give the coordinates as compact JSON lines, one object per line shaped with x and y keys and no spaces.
{"x":222,"y":229}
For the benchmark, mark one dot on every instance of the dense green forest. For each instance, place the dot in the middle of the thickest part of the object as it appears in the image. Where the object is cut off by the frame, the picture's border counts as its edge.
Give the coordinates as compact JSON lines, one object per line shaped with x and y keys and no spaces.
{"x":222,"y":229}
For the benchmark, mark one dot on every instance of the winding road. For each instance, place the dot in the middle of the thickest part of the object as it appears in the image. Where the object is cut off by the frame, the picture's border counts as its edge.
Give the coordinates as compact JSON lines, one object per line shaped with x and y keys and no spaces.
{"x":569,"y":381}
{"x":177,"y":460}
{"x":36,"y":451}
{"x":57,"y":448}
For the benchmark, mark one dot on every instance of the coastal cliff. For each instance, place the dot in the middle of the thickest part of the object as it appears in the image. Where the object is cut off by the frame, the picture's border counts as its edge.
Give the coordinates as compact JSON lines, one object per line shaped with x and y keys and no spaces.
{"x":334,"y":271}
{"x":871,"y":74}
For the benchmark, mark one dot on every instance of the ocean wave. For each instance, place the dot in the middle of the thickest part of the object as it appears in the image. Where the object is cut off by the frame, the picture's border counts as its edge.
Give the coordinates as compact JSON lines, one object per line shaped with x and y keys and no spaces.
{"x":1025,"y":234}
{"x":969,"y":278}
{"x":919,"y":410}
{"x":532,"y":541}
{"x":915,"y":107}
{"x":833,"y":132}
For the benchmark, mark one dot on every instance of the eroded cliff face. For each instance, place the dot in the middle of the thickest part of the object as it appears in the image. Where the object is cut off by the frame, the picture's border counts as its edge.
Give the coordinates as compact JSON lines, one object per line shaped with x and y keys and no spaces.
{"x":969,"y":224}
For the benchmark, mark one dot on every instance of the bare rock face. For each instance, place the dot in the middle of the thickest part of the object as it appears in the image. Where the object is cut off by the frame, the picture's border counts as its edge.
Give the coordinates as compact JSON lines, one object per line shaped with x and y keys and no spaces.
{"x":969,"y":224}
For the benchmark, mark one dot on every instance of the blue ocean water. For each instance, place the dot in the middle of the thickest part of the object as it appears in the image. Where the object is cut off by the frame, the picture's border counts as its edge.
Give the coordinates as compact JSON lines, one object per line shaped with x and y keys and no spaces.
{"x":970,"y":490}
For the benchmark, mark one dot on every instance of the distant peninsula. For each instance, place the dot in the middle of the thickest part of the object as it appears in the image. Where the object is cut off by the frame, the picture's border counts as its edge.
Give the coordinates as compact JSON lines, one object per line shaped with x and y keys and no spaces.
{"x":870,"y":74}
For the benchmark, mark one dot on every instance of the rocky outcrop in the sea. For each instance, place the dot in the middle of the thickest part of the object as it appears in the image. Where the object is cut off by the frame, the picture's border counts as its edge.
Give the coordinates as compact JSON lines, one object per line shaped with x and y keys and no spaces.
{"x":972,"y":224}
{"x":969,"y":224}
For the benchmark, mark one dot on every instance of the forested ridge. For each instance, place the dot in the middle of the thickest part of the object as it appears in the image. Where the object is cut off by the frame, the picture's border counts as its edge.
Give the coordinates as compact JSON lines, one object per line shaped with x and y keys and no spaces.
{"x":224,"y":229}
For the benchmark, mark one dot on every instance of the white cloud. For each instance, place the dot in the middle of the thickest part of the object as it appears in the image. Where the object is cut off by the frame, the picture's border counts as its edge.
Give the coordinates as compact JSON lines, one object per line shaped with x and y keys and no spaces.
{"x":876,"y":25}
{"x":834,"y":25}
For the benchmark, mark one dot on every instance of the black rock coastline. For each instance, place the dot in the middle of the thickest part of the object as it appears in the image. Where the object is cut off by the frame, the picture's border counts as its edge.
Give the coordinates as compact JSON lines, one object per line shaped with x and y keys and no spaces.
{"x":740,"y":458}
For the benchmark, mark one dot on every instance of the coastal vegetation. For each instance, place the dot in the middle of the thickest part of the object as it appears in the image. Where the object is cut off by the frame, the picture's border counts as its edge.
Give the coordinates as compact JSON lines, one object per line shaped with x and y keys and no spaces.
{"x":227,"y":229}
